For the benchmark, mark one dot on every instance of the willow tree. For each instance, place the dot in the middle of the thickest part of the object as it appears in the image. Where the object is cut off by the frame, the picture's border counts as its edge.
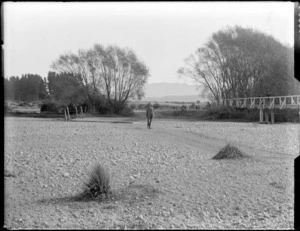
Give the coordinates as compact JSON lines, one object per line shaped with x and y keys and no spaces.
{"x":241,"y":62}
{"x":114,"y":72}
{"x":119,"y":72}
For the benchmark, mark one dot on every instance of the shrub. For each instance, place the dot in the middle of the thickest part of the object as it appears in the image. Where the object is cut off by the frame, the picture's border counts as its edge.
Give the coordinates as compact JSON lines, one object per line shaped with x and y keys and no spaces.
{"x":252,"y":115}
{"x":207,"y":106}
{"x":22,"y":104}
{"x":281,"y":115}
{"x":127,"y":111}
{"x":231,"y":113}
{"x":49,"y":107}
{"x":133,"y":106}
{"x":183,"y":108}
{"x":61,"y":109}
{"x":192,"y":106}
{"x":98,"y":185}
{"x":7,"y":108}
{"x":141,"y":107}
{"x":229,"y":152}
{"x":286,"y":115}
{"x":156,"y":105}
{"x":224,"y":114}
{"x":177,"y":113}
{"x":100,"y":104}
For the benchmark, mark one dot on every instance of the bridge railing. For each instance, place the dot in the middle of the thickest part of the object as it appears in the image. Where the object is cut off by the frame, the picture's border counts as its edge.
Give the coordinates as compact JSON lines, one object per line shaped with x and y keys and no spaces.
{"x":271,"y":102}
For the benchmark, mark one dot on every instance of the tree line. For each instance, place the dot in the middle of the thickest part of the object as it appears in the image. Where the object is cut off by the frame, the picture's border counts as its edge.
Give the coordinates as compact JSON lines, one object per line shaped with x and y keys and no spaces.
{"x":29,"y":87}
{"x":241,"y":62}
{"x":234,"y":63}
{"x":103,"y":78}
{"x":109,"y":74}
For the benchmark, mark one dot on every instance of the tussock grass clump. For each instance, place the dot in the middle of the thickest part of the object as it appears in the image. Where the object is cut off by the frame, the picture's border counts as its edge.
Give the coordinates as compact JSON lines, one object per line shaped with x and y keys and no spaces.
{"x":98,"y":185}
{"x":229,"y":152}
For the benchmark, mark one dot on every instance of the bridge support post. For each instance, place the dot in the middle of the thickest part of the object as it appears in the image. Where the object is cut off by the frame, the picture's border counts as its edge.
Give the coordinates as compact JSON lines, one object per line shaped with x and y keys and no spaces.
{"x":261,"y":115}
{"x":267,"y":117}
{"x":272,"y":117}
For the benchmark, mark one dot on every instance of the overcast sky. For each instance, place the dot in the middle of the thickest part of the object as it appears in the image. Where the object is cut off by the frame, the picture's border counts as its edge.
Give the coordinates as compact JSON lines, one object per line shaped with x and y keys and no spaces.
{"x":161,"y":33}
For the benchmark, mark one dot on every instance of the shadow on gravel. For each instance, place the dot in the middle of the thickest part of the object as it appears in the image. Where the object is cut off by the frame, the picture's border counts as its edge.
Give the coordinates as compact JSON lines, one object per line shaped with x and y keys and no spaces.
{"x":131,"y":194}
{"x":137,"y":193}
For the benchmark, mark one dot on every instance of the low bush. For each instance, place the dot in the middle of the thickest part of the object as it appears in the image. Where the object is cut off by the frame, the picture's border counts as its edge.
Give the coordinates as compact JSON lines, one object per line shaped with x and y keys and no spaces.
{"x":193,"y":106}
{"x":98,"y":185}
{"x":127,"y":111}
{"x":251,"y":115}
{"x":156,"y":105}
{"x":50,"y":107}
{"x":22,"y":104}
{"x":141,"y":107}
{"x":133,"y":106}
{"x":100,"y":104}
{"x":7,"y":108}
{"x":230,"y":152}
{"x":224,"y":113}
{"x":286,"y":115}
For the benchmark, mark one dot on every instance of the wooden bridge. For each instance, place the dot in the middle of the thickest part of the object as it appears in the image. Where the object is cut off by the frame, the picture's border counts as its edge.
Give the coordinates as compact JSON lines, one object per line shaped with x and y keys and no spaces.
{"x":262,"y":103}
{"x":271,"y":102}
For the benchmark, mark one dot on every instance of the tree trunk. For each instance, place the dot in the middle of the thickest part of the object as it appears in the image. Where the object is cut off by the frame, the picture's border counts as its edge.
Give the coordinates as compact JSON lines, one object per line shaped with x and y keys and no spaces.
{"x":76,"y":111}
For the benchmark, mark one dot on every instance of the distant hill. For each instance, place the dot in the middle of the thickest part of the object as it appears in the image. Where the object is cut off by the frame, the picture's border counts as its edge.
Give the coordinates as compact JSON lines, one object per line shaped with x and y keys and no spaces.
{"x":175,"y":98}
{"x":168,"y":89}
{"x":171,"y":92}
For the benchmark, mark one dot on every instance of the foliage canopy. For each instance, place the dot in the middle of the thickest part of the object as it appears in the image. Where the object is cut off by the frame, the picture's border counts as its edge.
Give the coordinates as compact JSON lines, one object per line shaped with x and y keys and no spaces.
{"x":114,"y":72}
{"x":241,"y":62}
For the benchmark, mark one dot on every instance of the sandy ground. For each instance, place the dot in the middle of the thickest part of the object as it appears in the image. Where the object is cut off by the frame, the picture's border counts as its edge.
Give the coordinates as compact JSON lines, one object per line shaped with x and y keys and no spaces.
{"x":165,"y":175}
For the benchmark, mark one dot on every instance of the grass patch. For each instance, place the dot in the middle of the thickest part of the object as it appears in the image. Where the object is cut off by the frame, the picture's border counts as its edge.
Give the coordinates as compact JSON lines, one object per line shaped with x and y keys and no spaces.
{"x":98,"y":186}
{"x":250,"y":115}
{"x":230,"y":152}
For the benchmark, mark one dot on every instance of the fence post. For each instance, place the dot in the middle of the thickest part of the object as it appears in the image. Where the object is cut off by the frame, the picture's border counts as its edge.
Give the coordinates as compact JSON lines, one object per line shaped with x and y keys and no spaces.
{"x":76,"y":111}
{"x":261,"y":115}
{"x":81,"y":110}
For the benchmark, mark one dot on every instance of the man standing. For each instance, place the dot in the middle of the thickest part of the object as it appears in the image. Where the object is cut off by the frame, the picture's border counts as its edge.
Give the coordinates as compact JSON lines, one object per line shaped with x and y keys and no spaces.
{"x":149,"y":114}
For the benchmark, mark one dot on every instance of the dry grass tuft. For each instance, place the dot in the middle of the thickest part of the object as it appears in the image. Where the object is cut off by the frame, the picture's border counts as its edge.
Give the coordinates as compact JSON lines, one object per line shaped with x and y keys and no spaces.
{"x":230,"y":152}
{"x":98,"y":185}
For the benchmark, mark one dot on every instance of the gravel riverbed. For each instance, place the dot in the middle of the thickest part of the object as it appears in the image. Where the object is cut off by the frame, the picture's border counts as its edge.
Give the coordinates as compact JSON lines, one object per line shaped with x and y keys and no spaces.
{"x":165,"y":175}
